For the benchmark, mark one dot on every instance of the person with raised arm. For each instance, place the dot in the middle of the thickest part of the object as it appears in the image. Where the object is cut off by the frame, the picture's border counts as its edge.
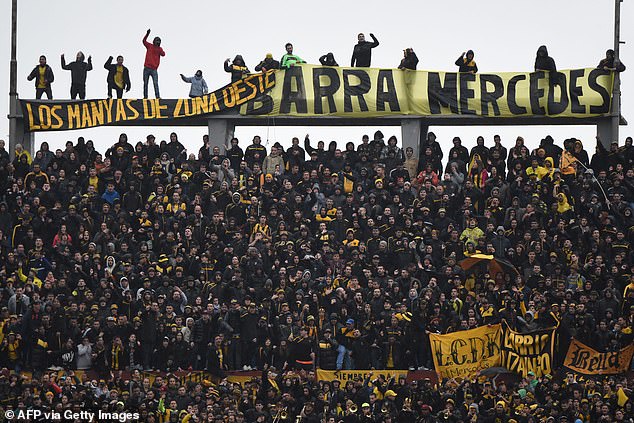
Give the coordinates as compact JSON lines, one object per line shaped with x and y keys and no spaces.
{"x":466,"y":64}
{"x":153,"y":55}
{"x":362,"y":53}
{"x":198,"y":84}
{"x":78,"y":71}
{"x":118,"y":77}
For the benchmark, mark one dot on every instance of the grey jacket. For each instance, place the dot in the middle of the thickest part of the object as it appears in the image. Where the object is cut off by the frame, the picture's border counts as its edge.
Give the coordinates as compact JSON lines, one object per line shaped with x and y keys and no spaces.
{"x":198,"y":85}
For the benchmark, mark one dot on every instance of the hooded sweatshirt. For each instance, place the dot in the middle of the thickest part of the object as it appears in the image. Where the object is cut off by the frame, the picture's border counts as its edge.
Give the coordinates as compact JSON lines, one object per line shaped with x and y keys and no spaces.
{"x":543,"y":61}
{"x":466,"y":65}
{"x":152,"y":55}
{"x":237,"y":68}
{"x":78,"y":70}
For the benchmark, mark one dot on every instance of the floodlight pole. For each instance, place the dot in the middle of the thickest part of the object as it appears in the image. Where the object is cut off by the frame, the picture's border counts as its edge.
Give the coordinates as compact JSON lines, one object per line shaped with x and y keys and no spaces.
{"x":616,"y":90}
{"x":13,"y":81}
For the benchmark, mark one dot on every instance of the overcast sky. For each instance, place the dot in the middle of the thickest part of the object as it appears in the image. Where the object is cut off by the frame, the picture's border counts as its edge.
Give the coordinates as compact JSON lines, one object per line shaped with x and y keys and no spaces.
{"x":201,"y":35}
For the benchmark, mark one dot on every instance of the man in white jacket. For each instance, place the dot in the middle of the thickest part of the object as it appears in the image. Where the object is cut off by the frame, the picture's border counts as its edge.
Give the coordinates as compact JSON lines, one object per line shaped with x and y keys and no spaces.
{"x":84,"y":351}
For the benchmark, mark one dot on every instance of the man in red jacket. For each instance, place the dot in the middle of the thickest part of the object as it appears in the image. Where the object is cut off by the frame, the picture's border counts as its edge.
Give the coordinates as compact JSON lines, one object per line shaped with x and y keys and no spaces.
{"x":152,"y":61}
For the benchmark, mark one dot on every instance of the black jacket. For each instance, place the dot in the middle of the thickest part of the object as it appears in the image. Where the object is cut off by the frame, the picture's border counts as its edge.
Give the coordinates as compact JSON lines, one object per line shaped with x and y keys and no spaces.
{"x":362,"y":53}
{"x":409,"y":62}
{"x":48,"y":75}
{"x":238,"y":69}
{"x":78,"y":70}
{"x":112,"y":71}
{"x":464,"y":65}
{"x":267,"y":64}
{"x":328,"y":60}
{"x":543,"y":61}
{"x":609,"y":63}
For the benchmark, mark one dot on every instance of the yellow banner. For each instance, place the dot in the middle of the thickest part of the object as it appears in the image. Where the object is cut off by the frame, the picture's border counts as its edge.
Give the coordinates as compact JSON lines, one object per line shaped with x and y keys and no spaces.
{"x":583,"y":359}
{"x":308,"y":90}
{"x":463,"y":354}
{"x":345,"y":375}
{"x":528,"y":352}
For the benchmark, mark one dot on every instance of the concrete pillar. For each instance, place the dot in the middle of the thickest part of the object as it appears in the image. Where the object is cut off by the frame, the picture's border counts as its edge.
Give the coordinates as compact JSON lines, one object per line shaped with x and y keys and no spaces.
{"x":413,"y":133}
{"x":17,"y":135}
{"x":605,"y":130}
{"x":220,"y":132}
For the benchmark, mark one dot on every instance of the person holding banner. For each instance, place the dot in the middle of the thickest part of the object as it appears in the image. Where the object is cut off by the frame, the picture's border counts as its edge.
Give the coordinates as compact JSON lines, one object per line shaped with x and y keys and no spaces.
{"x":269,"y":63}
{"x":43,"y":75}
{"x":610,"y":62}
{"x":289,"y":59}
{"x":153,"y":55}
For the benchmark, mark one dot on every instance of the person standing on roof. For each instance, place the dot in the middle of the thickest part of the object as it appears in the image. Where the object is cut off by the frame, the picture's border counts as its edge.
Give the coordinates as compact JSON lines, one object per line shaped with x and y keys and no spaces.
{"x":237,"y":68}
{"x":118,"y":77}
{"x":362,"y":53}
{"x":198,"y":84}
{"x":78,"y":71}
{"x":152,"y":61}
{"x":43,"y":75}
{"x":466,"y":64}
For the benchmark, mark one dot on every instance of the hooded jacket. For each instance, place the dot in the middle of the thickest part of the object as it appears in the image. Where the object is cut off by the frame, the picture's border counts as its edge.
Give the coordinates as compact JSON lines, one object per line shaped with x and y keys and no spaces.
{"x":328,"y":60}
{"x":238,"y":69}
{"x":543,"y":61}
{"x":152,"y":55}
{"x":78,"y":70}
{"x":466,"y":65}
{"x":198,"y":85}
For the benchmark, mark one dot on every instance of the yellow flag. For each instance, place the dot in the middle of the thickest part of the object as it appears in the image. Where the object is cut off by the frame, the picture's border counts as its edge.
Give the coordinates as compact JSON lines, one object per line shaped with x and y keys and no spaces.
{"x":621,"y":397}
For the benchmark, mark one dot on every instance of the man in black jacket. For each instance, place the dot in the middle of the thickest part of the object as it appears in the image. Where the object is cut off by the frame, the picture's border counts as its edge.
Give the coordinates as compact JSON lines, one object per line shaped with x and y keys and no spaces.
{"x":362,"y":53}
{"x":43,"y":75}
{"x":267,"y":64}
{"x":118,"y":77}
{"x":79,"y":70}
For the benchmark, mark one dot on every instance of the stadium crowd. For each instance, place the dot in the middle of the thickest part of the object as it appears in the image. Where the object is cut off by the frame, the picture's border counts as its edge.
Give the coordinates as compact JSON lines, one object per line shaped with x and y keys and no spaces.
{"x":282,"y":261}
